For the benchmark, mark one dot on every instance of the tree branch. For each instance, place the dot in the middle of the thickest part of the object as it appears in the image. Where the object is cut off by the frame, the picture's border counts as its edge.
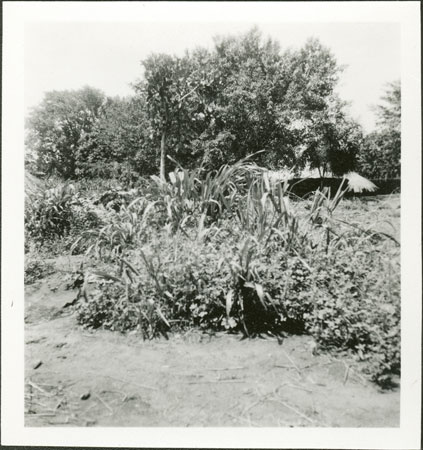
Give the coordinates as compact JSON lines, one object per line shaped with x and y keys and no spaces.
{"x":189,"y":93}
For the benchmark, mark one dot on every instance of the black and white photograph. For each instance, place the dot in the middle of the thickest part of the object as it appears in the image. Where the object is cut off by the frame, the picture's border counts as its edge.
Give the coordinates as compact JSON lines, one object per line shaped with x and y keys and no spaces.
{"x":215,"y":214}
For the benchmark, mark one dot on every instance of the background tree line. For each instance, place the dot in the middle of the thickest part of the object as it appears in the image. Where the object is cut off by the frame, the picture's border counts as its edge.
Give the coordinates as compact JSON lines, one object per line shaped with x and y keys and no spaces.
{"x":211,"y":107}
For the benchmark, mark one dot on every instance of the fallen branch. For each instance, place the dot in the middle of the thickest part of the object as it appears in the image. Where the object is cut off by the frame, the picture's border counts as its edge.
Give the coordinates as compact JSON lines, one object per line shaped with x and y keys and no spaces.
{"x":292,"y":362}
{"x":66,"y":422}
{"x":249,"y":421}
{"x":213,"y":381}
{"x":297,"y":387}
{"x":40,"y":404}
{"x":282,"y":366}
{"x":247,"y":408}
{"x":307,"y":366}
{"x":31,"y":383}
{"x":299,"y":413}
{"x":261,"y":400}
{"x":104,"y":403}
{"x":347,"y":372}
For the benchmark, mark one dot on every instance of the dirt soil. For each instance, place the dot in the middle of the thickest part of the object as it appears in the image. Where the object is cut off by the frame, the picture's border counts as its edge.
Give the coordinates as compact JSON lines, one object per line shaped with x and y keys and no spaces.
{"x":76,"y":377}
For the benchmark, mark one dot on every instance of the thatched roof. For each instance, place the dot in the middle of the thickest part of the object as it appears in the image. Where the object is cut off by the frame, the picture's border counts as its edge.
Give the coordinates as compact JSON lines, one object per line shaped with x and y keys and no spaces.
{"x":357,"y":183}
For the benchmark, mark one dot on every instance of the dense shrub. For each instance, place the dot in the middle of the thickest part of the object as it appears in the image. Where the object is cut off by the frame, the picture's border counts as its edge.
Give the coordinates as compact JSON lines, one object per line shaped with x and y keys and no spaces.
{"x":119,"y":231}
{"x":380,"y":155}
{"x":56,"y":216}
{"x":181,"y":277}
{"x":356,"y":307}
{"x":48,"y":215}
{"x":107,"y":309}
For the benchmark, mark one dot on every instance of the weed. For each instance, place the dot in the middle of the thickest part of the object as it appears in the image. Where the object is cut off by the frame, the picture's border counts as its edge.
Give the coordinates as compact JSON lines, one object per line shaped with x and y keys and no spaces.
{"x":36,"y":269}
{"x":48,"y":215}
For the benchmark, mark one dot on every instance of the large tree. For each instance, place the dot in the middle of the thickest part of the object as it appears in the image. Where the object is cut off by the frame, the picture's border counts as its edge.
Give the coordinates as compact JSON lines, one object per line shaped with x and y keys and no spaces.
{"x":120,"y":143}
{"x":329,"y":139}
{"x":172,"y":89}
{"x":380,"y":156}
{"x":326,"y":138}
{"x":249,"y":107}
{"x":57,"y":128}
{"x":282,"y":104}
{"x":209,"y":107}
{"x":389,"y":112}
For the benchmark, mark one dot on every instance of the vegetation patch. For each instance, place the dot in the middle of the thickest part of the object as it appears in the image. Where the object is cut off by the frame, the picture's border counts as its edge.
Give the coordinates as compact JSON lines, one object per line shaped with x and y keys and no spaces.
{"x":36,"y":269}
{"x":245,"y":257}
{"x":171,"y":193}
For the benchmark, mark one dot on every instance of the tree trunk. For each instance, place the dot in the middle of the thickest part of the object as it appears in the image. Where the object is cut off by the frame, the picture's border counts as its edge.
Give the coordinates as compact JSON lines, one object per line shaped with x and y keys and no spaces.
{"x":163,"y":156}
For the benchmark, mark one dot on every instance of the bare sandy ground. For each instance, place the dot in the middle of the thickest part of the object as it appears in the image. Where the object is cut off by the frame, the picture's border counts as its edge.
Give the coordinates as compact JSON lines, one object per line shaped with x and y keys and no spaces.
{"x":79,"y":378}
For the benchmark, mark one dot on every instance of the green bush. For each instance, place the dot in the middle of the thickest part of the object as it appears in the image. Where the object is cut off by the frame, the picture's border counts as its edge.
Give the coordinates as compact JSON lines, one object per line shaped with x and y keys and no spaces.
{"x":118,"y":232}
{"x":185,"y":278}
{"x":356,"y":307}
{"x":178,"y":276}
{"x":124,"y":304}
{"x":48,"y":215}
{"x":107,"y":309}
{"x":55,"y":217}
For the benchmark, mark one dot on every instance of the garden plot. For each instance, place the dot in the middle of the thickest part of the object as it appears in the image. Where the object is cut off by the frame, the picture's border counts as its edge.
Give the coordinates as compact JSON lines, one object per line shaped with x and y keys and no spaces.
{"x":92,"y":361}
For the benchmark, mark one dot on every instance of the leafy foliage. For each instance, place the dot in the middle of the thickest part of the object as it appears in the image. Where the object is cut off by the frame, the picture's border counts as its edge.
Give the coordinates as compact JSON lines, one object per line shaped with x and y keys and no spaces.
{"x":206,"y":108}
{"x":49,"y":215}
{"x":380,"y":156}
{"x":331,"y":140}
{"x":58,"y":127}
{"x":345,"y":314}
{"x":106,"y":309}
{"x":58,"y":214}
{"x":171,"y":91}
{"x":122,"y":230}
{"x":120,"y":144}
{"x":389,"y":114}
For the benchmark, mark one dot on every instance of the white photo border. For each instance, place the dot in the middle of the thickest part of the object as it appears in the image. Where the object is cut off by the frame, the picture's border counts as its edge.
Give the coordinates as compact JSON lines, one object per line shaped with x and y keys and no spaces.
{"x":15,"y":16}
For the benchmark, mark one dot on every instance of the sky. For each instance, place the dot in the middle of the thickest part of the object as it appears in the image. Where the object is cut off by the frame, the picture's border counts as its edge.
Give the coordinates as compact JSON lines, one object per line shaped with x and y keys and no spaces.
{"x":107,"y":55}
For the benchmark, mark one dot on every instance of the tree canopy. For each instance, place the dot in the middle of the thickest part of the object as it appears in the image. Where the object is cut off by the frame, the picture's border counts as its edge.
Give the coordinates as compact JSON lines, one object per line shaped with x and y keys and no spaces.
{"x":210,"y":107}
{"x":58,"y":127}
{"x":380,"y":156}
